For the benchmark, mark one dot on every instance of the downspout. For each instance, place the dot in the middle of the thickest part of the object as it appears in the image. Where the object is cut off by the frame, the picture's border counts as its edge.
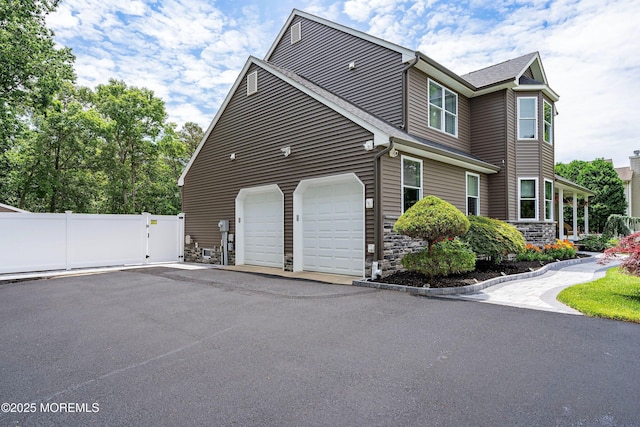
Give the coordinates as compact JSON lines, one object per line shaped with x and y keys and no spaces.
{"x":377,"y":211}
{"x":405,"y":92}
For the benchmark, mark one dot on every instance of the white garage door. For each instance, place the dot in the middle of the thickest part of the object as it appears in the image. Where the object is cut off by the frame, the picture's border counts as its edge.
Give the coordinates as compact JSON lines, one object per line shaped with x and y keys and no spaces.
{"x":333,"y":228}
{"x":263,"y":228}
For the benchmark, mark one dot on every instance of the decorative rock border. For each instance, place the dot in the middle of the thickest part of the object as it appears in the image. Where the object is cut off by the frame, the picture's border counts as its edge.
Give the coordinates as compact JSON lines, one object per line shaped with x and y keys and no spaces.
{"x":469,"y":289}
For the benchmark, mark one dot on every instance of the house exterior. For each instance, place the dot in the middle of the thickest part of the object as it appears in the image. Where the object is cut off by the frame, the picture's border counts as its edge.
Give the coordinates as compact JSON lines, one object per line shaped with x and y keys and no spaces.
{"x":10,"y":209}
{"x":320,"y":146}
{"x":630,"y":176}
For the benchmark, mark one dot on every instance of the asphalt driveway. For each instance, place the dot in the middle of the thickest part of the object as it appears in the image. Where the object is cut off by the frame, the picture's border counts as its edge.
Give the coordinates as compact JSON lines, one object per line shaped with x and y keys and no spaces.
{"x":160,"y":346}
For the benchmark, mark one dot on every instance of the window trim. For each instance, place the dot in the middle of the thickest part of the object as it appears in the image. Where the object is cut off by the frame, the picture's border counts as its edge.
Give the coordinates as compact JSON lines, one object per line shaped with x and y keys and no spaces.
{"x":545,"y":123}
{"x":535,"y":118}
{"x":536,"y":198}
{"x":402,"y":186}
{"x":444,"y":111}
{"x":550,"y":201}
{"x":466,"y":185}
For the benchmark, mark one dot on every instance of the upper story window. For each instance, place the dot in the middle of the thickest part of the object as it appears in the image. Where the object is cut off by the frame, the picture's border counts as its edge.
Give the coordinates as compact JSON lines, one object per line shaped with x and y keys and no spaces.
{"x":443,"y":109}
{"x":411,"y":182}
{"x":473,"y":194}
{"x":527,"y":118}
{"x":548,"y":122}
{"x":528,"y":203}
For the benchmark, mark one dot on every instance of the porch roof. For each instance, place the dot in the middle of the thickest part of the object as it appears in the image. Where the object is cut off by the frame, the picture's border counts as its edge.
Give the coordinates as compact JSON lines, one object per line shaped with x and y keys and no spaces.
{"x":571,"y":187}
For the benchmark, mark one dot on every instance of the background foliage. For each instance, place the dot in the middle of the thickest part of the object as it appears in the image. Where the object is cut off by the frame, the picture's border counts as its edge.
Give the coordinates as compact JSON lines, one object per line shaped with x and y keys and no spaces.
{"x":64,"y":147}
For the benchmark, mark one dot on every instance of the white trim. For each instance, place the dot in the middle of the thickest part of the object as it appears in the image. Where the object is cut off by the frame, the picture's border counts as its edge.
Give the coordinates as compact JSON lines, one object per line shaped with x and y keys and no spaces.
{"x":544,"y":122}
{"x":518,"y":118}
{"x":421,"y":188}
{"x":242,"y":195}
{"x":542,"y":88}
{"x":296,"y":32}
{"x":443,"y":108}
{"x":252,"y":82}
{"x":537,"y":198}
{"x":466,"y":186}
{"x":544,"y":197}
{"x":298,"y":208}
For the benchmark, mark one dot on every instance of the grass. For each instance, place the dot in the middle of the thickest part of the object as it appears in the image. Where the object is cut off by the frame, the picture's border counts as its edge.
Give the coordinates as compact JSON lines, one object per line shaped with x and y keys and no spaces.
{"x":615,"y":296}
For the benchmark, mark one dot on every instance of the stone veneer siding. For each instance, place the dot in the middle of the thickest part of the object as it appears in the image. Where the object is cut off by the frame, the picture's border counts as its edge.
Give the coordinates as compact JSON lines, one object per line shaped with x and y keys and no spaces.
{"x":395,"y":246}
{"x":537,"y":233}
{"x":193,"y":254}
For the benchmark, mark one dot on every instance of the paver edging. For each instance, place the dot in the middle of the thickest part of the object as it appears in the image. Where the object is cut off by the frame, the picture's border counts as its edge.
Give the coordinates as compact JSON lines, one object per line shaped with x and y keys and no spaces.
{"x":469,"y":289}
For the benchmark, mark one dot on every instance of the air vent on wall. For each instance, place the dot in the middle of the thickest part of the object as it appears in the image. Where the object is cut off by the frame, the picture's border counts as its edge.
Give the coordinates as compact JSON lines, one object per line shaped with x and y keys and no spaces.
{"x":252,"y":83}
{"x":296,"y":33}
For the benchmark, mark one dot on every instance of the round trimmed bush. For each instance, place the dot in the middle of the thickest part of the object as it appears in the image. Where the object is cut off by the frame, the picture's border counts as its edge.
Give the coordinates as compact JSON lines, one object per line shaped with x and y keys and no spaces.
{"x":445,"y":257}
{"x":431,"y":219}
{"x":494,"y":238}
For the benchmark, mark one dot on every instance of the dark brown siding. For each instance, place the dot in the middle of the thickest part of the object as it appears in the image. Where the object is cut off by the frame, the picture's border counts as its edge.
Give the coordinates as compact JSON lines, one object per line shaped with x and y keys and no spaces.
{"x":418,"y":111}
{"x":488,"y":142}
{"x":323,"y":56}
{"x":255,"y":128}
{"x":439,"y":179}
{"x":510,"y":164}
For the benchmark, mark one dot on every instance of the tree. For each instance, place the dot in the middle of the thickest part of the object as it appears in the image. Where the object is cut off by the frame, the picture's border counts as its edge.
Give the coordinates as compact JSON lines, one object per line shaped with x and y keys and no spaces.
{"x":32,"y":69}
{"x":600,"y":177}
{"x":134,"y":119}
{"x":191,"y":134}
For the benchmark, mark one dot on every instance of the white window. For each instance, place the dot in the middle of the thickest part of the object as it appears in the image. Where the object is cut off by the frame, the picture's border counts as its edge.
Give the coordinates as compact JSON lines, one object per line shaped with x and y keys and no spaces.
{"x":548,"y":200}
{"x":443,"y":109}
{"x":548,"y":122}
{"x":527,"y":118}
{"x":528,"y":200}
{"x":473,"y":194}
{"x":411,"y":182}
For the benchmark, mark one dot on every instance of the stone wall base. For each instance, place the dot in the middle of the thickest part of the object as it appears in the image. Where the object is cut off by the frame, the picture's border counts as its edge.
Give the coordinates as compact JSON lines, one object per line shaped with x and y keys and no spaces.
{"x":537,"y":233}
{"x":193,"y":254}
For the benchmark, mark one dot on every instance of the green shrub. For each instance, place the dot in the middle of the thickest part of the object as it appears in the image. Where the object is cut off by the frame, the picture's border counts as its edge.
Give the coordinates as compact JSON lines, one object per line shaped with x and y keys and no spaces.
{"x":446,"y":257}
{"x":594,"y":242}
{"x":432,"y":219}
{"x":494,"y":238}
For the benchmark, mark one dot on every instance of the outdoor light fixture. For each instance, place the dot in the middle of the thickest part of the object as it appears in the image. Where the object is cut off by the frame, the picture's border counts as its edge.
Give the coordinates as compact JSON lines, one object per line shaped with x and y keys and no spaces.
{"x":393,"y":153}
{"x":368,"y":145}
{"x":232,"y":156}
{"x":286,"y":151}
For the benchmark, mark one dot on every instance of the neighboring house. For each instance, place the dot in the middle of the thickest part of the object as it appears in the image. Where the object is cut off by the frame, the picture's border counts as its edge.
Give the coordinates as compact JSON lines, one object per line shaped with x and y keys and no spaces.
{"x":10,"y":209}
{"x":321,"y":146}
{"x":630,"y":176}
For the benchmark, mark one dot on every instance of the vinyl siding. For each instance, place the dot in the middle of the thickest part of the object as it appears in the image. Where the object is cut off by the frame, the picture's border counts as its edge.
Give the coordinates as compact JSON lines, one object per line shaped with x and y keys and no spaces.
{"x":418,"y":119}
{"x":323,"y":56}
{"x":488,"y":142}
{"x":255,"y":128}
{"x":439,"y":179}
{"x":510,"y":164}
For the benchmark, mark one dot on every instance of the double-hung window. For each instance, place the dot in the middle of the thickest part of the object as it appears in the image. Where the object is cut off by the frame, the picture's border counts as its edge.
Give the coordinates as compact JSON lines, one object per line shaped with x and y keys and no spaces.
{"x":527,"y":118}
{"x":473,"y":194}
{"x":411,"y":182}
{"x":528,"y":203}
{"x":548,"y":122}
{"x":443,"y":109}
{"x":548,"y":200}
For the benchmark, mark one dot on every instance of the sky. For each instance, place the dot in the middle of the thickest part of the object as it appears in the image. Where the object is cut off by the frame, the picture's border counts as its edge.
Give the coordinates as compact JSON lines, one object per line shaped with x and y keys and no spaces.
{"x":189,"y":52}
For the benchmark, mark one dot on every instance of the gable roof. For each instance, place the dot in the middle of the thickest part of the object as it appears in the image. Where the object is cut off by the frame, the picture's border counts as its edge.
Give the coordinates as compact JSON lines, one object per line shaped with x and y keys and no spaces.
{"x":505,"y":71}
{"x":625,"y":173}
{"x":383,"y":132}
{"x":8,"y":208}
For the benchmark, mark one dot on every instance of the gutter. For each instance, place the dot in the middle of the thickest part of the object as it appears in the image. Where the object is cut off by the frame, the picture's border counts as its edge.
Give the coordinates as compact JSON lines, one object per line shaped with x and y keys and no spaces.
{"x":377,"y":212}
{"x":405,"y":92}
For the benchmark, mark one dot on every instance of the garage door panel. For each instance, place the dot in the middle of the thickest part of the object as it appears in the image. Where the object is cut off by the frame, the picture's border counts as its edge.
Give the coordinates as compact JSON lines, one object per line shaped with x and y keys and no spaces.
{"x":263,"y":229}
{"x":333,"y":228}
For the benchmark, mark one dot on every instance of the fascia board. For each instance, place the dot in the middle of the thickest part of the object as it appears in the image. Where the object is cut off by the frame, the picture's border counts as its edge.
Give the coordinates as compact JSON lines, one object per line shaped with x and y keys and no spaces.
{"x":502,"y":86}
{"x":215,"y":119}
{"x":407,"y":54}
{"x":443,"y":77}
{"x":536,"y":59}
{"x":544,"y":88}
{"x":443,"y":157}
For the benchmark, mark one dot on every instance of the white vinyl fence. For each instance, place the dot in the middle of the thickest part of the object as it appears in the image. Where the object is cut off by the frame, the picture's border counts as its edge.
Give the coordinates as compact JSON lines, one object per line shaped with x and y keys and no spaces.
{"x":41,"y":242}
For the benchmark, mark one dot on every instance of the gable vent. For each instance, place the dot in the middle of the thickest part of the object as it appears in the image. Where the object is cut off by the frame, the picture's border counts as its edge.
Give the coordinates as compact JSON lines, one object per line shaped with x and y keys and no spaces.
{"x":252,"y":83}
{"x":296,"y":33}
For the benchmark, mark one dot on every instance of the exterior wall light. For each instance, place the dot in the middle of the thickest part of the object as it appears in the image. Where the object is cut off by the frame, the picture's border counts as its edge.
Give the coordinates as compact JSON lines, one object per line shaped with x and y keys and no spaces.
{"x":286,"y":151}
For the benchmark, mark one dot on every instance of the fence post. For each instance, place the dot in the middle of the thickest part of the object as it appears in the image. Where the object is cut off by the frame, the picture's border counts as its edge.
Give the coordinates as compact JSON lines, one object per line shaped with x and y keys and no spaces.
{"x":67,"y":232}
{"x":181,"y":237}
{"x":146,"y":218}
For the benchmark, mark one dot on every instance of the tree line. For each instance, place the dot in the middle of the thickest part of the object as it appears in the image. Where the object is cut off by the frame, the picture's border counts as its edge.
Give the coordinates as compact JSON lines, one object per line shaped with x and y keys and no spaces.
{"x":110,"y":149}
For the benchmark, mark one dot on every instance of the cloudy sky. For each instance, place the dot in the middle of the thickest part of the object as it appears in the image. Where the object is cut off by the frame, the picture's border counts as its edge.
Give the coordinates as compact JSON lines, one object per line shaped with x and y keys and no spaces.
{"x":189,"y":52}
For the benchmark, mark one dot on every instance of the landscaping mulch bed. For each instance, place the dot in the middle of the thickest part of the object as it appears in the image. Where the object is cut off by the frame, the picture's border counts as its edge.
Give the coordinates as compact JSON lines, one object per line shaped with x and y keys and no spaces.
{"x":485,"y":270}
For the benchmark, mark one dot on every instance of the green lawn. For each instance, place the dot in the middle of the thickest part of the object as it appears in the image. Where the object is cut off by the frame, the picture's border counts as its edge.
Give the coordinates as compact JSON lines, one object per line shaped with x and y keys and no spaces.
{"x":616,"y":296}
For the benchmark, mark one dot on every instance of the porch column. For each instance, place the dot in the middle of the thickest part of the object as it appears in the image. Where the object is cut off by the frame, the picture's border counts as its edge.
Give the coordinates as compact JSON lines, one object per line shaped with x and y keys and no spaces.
{"x":575,"y":216}
{"x":586,"y":216}
{"x":561,"y":235}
